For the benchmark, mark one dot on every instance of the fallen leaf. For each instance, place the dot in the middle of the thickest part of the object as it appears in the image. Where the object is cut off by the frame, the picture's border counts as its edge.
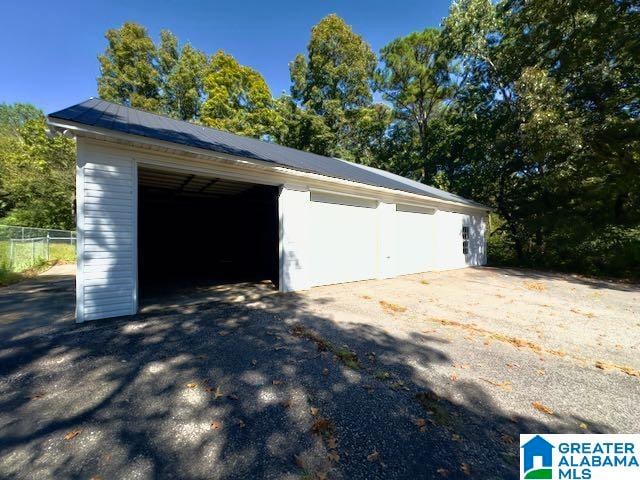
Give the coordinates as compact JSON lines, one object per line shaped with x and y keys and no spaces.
{"x":223,"y":333}
{"x":332,"y":443}
{"x":373,"y":456}
{"x":506,"y":438}
{"x":325,"y":371}
{"x":240,"y":423}
{"x":192,"y":385}
{"x":460,"y":365}
{"x":443,"y":472}
{"x":392,"y":307}
{"x":314,"y":411}
{"x":333,"y":456}
{"x":541,"y":407}
{"x":72,"y":434}
{"x":216,"y":425}
{"x":540,"y":372}
{"x":454,"y":377}
{"x":217,"y":392}
{"x":584,"y":426}
{"x":254,"y":362}
{"x":419,"y":422}
{"x":465,"y":468}
{"x":322,"y":425}
{"x":233,"y":396}
{"x":505,"y":385}
{"x":286,"y":404}
{"x":277,"y":382}
{"x":455,"y":437}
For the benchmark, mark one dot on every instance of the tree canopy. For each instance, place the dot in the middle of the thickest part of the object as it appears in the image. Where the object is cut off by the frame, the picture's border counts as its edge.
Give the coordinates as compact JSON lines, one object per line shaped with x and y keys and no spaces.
{"x":532,"y":108}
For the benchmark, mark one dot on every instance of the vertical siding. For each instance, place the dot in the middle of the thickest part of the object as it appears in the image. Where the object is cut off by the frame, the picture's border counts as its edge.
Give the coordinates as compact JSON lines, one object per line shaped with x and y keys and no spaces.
{"x":107,"y":236}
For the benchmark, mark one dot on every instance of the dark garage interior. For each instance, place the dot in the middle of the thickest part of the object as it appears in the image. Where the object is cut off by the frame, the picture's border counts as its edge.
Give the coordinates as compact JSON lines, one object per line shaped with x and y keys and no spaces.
{"x":195,"y":231}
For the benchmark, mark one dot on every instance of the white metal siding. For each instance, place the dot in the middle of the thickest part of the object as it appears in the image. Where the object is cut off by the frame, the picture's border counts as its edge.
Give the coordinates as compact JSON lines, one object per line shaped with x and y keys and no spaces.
{"x":343,"y":239}
{"x":293,"y":207}
{"x":449,"y":253}
{"x":107,"y":223}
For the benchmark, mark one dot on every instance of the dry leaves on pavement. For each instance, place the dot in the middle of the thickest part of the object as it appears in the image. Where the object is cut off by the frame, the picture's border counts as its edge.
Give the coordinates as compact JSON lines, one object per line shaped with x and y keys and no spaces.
{"x":542,"y":408}
{"x":72,"y":434}
{"x":374,"y":456}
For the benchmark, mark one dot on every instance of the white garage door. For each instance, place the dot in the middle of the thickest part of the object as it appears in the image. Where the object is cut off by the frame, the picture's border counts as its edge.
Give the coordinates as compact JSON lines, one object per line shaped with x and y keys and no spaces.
{"x":343,"y":239}
{"x":415,"y":237}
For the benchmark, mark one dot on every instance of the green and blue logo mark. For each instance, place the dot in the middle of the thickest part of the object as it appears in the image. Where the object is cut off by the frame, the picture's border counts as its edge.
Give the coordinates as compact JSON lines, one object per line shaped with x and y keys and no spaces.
{"x":537,"y":459}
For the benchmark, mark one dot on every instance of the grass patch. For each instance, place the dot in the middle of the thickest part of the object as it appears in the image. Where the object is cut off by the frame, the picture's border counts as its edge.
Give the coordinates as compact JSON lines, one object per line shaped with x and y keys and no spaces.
{"x":58,"y":253}
{"x":62,"y":252}
{"x":437,"y":408}
{"x":343,"y":354}
{"x":7,"y":277}
{"x":380,"y":375}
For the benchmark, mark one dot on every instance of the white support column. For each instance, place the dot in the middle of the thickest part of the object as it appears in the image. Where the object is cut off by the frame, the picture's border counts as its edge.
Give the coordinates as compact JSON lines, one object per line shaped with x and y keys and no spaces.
{"x":106,"y":186}
{"x":293,"y":205}
{"x":386,"y":240}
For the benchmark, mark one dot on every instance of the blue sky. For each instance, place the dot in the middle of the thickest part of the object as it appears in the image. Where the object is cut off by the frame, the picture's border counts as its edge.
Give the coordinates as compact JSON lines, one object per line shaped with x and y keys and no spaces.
{"x":49,"y":49}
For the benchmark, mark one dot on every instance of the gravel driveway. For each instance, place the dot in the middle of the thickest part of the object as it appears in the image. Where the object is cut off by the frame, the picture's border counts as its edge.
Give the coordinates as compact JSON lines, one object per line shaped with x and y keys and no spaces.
{"x":425,"y":376}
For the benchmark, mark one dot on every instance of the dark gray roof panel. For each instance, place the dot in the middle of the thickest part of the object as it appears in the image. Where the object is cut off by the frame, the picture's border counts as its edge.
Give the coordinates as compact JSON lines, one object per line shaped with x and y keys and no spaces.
{"x":102,"y":114}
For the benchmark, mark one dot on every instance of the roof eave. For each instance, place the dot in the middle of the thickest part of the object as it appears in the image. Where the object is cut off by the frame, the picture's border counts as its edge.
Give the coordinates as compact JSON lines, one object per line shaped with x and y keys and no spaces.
{"x":71,"y":128}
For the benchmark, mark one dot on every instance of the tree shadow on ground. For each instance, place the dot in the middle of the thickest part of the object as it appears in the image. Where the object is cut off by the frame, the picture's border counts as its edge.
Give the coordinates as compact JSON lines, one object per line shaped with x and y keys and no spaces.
{"x":583,"y":280}
{"x":221,"y":388}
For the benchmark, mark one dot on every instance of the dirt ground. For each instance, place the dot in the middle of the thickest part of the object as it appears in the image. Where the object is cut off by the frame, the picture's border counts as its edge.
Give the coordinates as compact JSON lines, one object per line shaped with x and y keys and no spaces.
{"x":425,"y":376}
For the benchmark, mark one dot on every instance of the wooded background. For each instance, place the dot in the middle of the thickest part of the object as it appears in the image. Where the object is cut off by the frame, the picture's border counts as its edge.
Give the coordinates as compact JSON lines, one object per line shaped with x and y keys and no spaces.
{"x":531,"y":107}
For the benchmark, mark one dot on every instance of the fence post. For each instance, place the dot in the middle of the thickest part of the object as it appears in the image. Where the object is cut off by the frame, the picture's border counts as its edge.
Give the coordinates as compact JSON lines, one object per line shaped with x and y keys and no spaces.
{"x":11,"y":253}
{"x":33,"y":253}
{"x":47,"y":254}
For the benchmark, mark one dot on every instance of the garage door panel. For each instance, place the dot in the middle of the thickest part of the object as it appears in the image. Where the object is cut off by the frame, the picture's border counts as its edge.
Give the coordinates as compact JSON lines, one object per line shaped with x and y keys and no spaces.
{"x":414,"y":242}
{"x":343,"y":242}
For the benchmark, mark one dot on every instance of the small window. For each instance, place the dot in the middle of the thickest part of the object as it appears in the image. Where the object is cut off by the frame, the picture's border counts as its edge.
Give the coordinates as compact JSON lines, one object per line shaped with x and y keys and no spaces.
{"x":465,"y":240}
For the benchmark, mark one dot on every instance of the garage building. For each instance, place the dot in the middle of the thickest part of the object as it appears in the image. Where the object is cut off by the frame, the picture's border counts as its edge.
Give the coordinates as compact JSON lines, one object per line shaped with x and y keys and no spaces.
{"x":166,"y":202}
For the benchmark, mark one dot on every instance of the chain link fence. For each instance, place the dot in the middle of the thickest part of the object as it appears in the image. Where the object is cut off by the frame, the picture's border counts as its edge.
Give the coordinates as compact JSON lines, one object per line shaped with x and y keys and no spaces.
{"x":25,"y":247}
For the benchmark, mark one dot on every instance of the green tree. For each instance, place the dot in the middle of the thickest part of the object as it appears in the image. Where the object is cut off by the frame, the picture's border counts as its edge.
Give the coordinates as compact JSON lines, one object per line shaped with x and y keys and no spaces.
{"x":302,"y":129}
{"x":37,"y":174}
{"x":238,"y":99}
{"x":548,"y":110}
{"x":414,"y":77}
{"x":129,"y":71}
{"x":182,"y":72}
{"x":334,"y":80}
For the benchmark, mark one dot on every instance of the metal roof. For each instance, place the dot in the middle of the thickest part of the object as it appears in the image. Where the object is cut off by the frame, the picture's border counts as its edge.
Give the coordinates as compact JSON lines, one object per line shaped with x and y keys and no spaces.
{"x":119,"y":118}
